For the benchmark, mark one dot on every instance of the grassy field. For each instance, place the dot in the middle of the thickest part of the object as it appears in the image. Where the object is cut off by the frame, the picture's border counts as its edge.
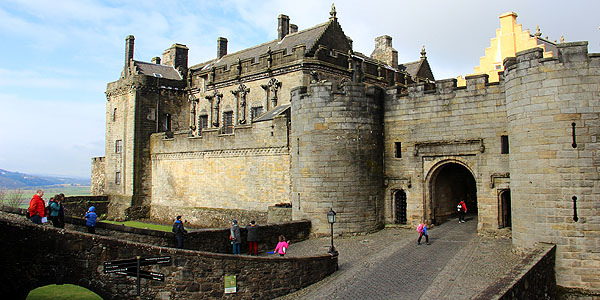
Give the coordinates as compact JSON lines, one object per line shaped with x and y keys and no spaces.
{"x":142,"y":225}
{"x":65,"y":291}
{"x":26,"y":194}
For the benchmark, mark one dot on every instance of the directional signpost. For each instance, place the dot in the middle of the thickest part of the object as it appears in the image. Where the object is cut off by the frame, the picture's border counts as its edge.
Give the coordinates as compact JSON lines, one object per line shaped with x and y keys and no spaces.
{"x":131,"y":267}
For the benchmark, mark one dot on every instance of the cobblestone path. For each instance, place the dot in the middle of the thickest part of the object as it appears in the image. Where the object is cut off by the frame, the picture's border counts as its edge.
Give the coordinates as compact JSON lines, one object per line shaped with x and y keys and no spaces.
{"x":390,"y":265}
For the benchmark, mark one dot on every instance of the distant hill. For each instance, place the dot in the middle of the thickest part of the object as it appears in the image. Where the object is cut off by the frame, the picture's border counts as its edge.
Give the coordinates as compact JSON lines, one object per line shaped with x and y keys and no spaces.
{"x":12,"y":180}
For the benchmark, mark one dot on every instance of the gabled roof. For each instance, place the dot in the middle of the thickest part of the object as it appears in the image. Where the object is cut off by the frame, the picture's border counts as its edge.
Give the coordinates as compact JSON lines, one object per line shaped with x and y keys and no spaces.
{"x":419,"y":68}
{"x":150,"y":69}
{"x":309,"y":37}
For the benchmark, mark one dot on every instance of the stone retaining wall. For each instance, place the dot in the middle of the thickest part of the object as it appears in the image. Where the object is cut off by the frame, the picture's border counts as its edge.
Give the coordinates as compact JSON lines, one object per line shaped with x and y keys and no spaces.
{"x":533,"y":279}
{"x":42,"y":255}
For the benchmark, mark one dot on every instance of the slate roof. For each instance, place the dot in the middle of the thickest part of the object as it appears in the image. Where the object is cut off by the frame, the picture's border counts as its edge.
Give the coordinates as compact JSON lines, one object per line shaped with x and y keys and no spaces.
{"x":307,"y":37}
{"x":270,"y":115}
{"x":149,"y":69}
{"x":412,"y":68}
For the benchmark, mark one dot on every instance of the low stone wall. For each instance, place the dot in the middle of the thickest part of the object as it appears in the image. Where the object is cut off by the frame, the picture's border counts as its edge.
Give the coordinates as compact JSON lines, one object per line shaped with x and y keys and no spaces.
{"x":277,"y":214}
{"x":534,"y":278}
{"x":42,"y":255}
{"x":79,"y":205}
{"x":207,"y":217}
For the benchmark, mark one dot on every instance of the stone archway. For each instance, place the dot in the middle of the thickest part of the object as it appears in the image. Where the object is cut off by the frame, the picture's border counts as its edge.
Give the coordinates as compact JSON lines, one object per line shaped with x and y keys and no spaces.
{"x":450,"y":183}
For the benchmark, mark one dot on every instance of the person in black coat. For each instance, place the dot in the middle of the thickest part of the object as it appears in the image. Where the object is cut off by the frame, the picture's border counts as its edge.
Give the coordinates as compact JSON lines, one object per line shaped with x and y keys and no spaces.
{"x":252,"y":238}
{"x":179,"y":232}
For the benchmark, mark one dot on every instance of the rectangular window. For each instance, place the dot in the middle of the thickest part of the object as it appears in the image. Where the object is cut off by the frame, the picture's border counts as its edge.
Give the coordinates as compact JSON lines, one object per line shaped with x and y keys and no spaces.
{"x":114,"y":115}
{"x":228,"y":124}
{"x":167,"y":122}
{"x":398,"y":149}
{"x":118,"y":146}
{"x":255,"y":112}
{"x":118,"y":178}
{"x":203,"y":122}
{"x":504,"y":144}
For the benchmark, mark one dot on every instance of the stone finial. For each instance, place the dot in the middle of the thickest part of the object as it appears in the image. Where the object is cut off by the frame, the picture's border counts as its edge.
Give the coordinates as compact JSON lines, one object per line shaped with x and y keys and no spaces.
{"x":423,"y":53}
{"x":562,"y":38}
{"x":333,"y":13}
{"x":538,"y":33}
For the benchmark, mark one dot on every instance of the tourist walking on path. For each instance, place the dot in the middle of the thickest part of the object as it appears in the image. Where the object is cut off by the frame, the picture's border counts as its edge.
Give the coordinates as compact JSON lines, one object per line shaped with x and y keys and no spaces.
{"x":235,"y":237}
{"x":55,"y":206}
{"x":422,"y":229}
{"x":282,"y":246}
{"x":91,"y":217}
{"x":462,"y":211}
{"x":179,"y":232}
{"x":252,"y":238}
{"x":37,"y":207}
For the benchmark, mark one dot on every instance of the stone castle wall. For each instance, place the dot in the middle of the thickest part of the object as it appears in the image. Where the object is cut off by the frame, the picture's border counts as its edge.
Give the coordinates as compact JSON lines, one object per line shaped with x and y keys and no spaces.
{"x":544,"y":99}
{"x":440,"y":126}
{"x":336,"y":150}
{"x":221,"y":171}
{"x":98,"y":179}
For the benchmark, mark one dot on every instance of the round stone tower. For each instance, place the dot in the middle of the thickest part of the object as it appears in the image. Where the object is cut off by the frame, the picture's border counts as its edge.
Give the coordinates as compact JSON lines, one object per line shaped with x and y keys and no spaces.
{"x":553,"y":107}
{"x":337,"y":157}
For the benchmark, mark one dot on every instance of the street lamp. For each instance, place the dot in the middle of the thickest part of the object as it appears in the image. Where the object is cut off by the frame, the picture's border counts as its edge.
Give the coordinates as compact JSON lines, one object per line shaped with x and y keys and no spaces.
{"x":331,"y":220}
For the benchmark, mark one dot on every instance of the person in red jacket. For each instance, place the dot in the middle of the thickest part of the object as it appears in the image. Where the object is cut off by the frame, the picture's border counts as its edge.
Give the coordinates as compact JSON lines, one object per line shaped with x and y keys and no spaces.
{"x":37,"y":207}
{"x":462,"y":211}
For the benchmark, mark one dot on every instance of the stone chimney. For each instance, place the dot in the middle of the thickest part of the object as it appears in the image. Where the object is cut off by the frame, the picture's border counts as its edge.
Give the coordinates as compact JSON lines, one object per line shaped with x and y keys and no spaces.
{"x":129,"y":41}
{"x":283,"y":27}
{"x":293,"y":28}
{"x":384,"y":51}
{"x":176,"y":56}
{"x":221,"y":47}
{"x":156,"y":60}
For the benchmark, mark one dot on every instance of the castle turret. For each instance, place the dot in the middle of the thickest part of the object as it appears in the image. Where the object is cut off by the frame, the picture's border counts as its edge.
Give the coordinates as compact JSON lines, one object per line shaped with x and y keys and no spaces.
{"x":552,"y":108}
{"x":337,"y":162}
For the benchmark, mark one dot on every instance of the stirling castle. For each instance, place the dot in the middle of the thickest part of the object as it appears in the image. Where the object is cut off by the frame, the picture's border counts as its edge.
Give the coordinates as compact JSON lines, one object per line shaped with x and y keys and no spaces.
{"x":308,"y":121}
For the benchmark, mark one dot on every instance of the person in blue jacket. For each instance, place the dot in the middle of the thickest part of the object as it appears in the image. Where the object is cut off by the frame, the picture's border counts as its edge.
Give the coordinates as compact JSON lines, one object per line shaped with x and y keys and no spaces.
{"x":179,"y":232}
{"x":422,"y":229}
{"x":90,"y":222}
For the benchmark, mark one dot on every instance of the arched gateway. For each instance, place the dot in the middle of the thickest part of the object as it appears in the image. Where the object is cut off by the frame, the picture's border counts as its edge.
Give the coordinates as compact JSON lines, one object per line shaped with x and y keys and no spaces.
{"x":448,"y":184}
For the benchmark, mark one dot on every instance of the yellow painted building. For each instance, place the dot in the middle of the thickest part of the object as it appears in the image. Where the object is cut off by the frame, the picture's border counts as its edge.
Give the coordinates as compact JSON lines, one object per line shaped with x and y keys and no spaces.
{"x":510,"y":39}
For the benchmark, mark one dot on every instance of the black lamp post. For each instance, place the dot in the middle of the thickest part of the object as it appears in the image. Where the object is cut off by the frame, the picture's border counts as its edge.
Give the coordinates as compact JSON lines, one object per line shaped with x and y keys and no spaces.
{"x":331,"y":220}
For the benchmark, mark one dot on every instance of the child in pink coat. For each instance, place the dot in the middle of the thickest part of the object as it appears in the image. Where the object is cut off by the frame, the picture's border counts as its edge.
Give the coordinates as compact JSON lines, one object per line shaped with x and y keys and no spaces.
{"x":281,"y":246}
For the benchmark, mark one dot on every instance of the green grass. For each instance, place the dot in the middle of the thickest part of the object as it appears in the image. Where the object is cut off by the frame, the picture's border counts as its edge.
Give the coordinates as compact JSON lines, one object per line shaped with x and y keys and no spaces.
{"x":65,"y":291}
{"x":142,"y":225}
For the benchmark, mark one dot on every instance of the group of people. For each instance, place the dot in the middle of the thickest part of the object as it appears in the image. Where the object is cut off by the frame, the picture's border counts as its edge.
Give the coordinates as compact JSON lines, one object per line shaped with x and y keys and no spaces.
{"x":235,"y":237}
{"x":39,"y":213}
{"x":54,"y":212}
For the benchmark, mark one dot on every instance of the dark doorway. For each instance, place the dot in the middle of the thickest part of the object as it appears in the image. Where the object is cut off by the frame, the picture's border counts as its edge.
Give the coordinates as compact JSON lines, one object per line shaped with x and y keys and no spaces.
{"x":400,"y":200}
{"x":450,"y":184}
{"x":505,"y":217}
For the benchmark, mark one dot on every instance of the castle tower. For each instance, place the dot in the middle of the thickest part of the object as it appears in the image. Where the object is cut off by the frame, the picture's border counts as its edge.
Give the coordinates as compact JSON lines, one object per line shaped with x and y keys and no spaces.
{"x":337,"y":162}
{"x":552,"y":108}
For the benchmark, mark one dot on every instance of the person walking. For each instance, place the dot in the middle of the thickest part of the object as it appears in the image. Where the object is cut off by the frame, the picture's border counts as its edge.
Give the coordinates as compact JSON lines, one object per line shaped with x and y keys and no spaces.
{"x":37,"y":207}
{"x":252,"y":238}
{"x":282,"y":246}
{"x":55,"y":205}
{"x":235,"y":237}
{"x":179,"y":232}
{"x":91,"y":218}
{"x":462,"y":211}
{"x":422,"y":229}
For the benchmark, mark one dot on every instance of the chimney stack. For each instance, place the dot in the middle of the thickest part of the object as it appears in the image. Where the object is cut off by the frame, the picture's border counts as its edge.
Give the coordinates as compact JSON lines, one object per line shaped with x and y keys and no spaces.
{"x":177,"y":56}
{"x":293,"y":28}
{"x":221,"y":47}
{"x":129,"y":40}
{"x":283,"y":27}
{"x":156,"y":60}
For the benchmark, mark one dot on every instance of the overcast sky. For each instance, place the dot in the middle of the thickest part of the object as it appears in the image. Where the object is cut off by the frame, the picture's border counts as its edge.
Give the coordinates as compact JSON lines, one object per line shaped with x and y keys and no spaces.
{"x":57,"y":56}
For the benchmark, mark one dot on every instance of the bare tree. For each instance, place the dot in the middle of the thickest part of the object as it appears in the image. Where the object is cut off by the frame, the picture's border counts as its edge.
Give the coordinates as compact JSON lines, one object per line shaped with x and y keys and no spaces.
{"x":14,"y":198}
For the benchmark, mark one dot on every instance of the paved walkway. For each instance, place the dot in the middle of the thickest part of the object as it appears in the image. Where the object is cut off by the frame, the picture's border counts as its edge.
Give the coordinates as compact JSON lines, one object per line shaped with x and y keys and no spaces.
{"x":389,"y":264}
